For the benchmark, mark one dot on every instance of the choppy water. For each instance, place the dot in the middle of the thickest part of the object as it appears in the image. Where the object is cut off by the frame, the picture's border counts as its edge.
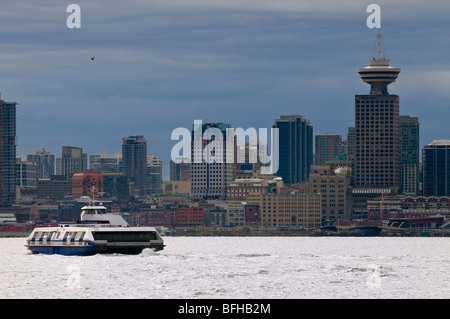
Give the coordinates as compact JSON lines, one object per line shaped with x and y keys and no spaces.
{"x":237,"y":267}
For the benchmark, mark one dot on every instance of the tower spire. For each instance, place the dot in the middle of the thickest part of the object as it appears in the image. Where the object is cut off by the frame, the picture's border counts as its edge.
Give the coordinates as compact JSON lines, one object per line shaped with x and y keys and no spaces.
{"x":379,"y":46}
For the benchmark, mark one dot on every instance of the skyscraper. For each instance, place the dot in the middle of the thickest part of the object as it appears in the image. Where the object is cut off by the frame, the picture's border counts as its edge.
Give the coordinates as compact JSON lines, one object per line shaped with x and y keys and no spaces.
{"x":295,"y":148}
{"x":45,"y":163}
{"x":154,"y":174}
{"x":104,"y":163}
{"x":134,"y":159}
{"x":210,"y":177}
{"x":328,"y":146}
{"x":7,"y":152}
{"x":409,"y":155}
{"x":436,"y":168}
{"x":351,"y":141}
{"x":180,"y":171}
{"x":73,"y":160}
{"x":377,"y":128}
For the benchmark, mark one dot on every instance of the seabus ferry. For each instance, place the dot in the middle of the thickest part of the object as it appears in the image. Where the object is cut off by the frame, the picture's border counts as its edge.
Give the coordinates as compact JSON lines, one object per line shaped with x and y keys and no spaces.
{"x":96,"y":232}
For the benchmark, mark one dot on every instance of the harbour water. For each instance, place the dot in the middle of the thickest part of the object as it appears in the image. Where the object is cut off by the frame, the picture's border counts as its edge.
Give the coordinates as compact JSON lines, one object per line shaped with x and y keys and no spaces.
{"x":237,"y":267}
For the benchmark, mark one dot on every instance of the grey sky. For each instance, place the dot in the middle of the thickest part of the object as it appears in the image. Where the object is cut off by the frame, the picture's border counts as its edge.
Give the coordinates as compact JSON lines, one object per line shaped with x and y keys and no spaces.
{"x":162,"y":64}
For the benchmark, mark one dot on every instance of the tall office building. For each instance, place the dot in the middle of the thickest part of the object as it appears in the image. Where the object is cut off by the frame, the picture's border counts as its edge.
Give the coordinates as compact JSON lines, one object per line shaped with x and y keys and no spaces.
{"x":436,"y":168}
{"x":45,"y":162}
{"x":104,"y":163}
{"x":180,"y":171}
{"x":154,"y":174}
{"x":7,"y":152}
{"x":26,"y":173}
{"x":409,"y":155}
{"x":351,"y":141}
{"x":73,"y":160}
{"x":134,"y":160}
{"x":295,"y":148}
{"x":210,"y":177}
{"x":328,"y":146}
{"x":377,"y":128}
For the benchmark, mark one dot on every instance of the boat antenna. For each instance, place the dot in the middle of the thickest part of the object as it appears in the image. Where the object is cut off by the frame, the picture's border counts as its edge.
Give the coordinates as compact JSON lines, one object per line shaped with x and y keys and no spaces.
{"x":93,"y":193}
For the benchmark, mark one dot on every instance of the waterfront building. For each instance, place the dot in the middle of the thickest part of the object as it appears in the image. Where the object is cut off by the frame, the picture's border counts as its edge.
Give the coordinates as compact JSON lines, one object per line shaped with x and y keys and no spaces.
{"x":288,"y":208}
{"x":335,"y":187}
{"x":361,"y":196}
{"x":409,"y":207}
{"x":436,"y":168}
{"x":134,"y":157}
{"x":8,"y":144}
{"x":295,"y":148}
{"x":189,"y":216}
{"x":149,"y":215}
{"x":45,"y":162}
{"x":235,"y":214}
{"x":252,"y":216}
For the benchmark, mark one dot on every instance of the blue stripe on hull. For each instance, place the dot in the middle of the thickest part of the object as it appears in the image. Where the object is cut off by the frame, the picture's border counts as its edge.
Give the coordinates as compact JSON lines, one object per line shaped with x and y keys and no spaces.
{"x":62,"y":250}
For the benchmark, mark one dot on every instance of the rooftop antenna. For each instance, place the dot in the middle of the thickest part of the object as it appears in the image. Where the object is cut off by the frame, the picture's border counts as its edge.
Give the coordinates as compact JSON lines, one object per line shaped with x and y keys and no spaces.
{"x":379,"y":46}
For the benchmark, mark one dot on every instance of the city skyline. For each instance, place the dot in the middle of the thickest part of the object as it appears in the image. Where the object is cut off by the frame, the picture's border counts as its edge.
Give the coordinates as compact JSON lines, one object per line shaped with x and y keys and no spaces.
{"x":159,"y":66}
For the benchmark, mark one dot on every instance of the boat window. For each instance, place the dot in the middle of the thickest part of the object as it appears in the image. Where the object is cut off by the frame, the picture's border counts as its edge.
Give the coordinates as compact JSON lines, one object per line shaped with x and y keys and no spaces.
{"x":125,"y":236}
{"x":71,"y":234}
{"x":82,"y":236}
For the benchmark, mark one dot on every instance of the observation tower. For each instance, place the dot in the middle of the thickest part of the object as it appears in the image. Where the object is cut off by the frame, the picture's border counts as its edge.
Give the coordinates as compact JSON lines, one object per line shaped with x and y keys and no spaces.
{"x":379,"y":74}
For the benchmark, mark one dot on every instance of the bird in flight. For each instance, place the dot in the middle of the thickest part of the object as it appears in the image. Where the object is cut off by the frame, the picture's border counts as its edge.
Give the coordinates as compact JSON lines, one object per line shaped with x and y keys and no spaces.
{"x":93,"y":58}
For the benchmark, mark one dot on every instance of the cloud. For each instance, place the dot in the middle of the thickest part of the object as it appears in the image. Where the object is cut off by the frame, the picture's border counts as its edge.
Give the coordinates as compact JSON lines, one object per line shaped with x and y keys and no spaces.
{"x":430,"y":81}
{"x":161,"y":64}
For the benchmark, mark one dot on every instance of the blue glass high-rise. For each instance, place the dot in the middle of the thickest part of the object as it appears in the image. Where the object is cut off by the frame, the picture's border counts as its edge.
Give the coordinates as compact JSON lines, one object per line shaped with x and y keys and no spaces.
{"x":295,"y":148}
